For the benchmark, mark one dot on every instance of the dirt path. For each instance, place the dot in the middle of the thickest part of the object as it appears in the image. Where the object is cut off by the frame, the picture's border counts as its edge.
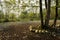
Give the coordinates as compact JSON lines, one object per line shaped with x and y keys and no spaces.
{"x":20,"y":31}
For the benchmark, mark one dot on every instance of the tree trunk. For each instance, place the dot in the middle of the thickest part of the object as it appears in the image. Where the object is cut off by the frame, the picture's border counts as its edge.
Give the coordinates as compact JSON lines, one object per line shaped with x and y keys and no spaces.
{"x":56,"y":15}
{"x":48,"y":13}
{"x":41,"y":14}
{"x":46,"y":4}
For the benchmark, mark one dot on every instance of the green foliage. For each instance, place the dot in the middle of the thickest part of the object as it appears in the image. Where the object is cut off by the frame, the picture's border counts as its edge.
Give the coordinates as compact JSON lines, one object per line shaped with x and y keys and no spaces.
{"x":59,"y":14}
{"x":12,"y":17}
{"x":24,"y":15}
{"x":1,"y":16}
{"x":33,"y":16}
{"x":52,"y":12}
{"x":6,"y":17}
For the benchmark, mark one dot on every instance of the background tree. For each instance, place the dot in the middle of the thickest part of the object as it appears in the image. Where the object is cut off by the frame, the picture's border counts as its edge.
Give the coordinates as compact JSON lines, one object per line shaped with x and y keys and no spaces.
{"x":48,"y":13}
{"x":56,"y":15}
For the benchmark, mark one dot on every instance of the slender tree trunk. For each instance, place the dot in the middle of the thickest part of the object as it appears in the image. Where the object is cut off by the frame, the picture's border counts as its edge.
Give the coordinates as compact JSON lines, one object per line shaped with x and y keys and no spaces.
{"x":48,"y":13}
{"x":41,"y":14}
{"x":46,"y":4}
{"x":56,"y":15}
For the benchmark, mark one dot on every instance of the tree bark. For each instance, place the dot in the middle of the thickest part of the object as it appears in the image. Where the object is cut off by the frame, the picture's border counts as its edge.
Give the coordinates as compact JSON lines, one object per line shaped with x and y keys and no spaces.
{"x":41,"y":14}
{"x":48,"y":13}
{"x":56,"y":15}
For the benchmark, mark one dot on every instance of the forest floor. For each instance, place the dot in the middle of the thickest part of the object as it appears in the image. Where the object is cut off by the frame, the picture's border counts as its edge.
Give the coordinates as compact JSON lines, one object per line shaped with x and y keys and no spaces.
{"x":20,"y":31}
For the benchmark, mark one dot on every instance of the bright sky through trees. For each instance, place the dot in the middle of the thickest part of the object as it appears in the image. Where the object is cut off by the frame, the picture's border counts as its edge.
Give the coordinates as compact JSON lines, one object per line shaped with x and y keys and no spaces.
{"x":13,"y":6}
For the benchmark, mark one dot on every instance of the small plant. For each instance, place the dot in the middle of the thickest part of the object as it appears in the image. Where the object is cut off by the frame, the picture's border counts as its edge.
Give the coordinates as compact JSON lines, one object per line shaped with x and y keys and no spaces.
{"x":37,"y":29}
{"x":31,"y":28}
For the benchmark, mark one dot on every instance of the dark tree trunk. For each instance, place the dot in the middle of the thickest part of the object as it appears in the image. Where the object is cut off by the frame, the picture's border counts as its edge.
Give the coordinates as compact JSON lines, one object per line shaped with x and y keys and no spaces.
{"x":48,"y":13}
{"x":56,"y":15}
{"x":41,"y":14}
{"x":46,"y":4}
